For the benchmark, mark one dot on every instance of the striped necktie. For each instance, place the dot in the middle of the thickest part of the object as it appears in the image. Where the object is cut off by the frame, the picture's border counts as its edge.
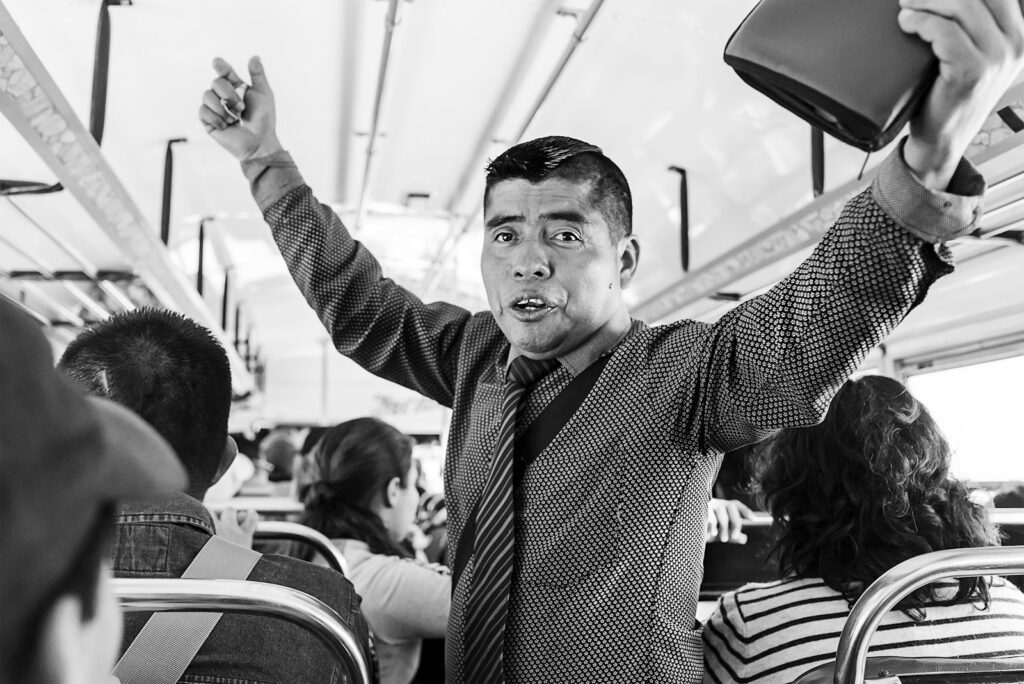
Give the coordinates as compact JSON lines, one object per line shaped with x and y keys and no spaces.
{"x":495,"y":537}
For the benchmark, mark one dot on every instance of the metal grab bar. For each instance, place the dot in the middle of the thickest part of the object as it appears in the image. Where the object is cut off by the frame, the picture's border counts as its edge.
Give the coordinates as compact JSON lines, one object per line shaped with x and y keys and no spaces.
{"x":274,"y":529}
{"x":1006,"y":516}
{"x":241,"y":596}
{"x":885,"y":592}
{"x":998,"y":516}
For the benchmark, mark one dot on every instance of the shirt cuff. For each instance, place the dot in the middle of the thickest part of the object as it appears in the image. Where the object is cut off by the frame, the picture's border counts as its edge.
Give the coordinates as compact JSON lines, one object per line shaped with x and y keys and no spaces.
{"x":931,"y":215}
{"x":271,"y":177}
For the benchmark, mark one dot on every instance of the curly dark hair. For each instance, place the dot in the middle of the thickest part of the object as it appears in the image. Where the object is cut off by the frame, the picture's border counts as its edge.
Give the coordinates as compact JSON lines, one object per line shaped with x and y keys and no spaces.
{"x":866,"y":489}
{"x":355,"y":461}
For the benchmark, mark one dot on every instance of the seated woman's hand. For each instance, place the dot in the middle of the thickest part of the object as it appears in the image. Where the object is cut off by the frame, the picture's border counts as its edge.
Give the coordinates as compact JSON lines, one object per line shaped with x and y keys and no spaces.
{"x":725,"y":521}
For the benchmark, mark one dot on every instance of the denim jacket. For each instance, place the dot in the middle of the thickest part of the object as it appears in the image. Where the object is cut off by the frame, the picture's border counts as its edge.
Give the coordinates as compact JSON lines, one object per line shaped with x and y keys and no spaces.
{"x":161,"y":539}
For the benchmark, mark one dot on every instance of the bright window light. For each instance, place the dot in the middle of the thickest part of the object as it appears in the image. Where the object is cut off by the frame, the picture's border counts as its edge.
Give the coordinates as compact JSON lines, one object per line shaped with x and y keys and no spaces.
{"x":980,"y":408}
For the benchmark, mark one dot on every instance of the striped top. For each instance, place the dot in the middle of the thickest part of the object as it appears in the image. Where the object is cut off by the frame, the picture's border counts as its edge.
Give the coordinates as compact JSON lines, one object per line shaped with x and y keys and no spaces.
{"x":776,"y":631}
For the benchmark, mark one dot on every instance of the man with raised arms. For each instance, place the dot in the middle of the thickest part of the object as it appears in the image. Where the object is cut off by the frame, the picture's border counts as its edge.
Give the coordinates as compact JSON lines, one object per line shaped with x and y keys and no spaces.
{"x":579,"y":558}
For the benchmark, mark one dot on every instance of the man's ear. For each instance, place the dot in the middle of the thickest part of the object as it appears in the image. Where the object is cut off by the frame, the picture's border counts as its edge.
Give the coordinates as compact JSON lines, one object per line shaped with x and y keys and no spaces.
{"x":629,"y":257}
{"x":227,"y":457}
{"x":391,"y":492}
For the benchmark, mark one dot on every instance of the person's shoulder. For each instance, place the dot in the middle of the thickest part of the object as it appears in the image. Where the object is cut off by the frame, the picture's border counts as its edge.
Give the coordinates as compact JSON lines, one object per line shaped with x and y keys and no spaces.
{"x":757,"y":598}
{"x":779,"y":586}
{"x":1003,"y":589}
{"x":671,"y":340}
{"x":483,"y":328}
{"x":381,"y":566}
{"x":325,"y":584}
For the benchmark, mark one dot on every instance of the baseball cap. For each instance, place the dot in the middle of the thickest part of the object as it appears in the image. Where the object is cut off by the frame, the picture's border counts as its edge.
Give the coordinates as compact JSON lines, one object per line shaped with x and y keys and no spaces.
{"x":63,"y":457}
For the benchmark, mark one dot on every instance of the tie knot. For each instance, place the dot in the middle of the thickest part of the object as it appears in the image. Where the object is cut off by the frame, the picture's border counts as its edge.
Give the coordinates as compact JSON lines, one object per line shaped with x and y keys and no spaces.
{"x":525,"y":371}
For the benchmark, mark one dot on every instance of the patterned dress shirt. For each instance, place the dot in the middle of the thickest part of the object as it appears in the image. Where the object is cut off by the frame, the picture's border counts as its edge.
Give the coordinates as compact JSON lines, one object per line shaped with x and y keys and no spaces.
{"x":610,"y":517}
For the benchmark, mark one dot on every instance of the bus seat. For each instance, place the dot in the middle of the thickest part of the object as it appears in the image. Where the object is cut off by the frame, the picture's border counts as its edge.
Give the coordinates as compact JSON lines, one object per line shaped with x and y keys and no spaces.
{"x":1011,"y":526}
{"x":240,"y":596}
{"x":882,"y":596}
{"x":728,"y":567}
{"x":267,"y":530}
{"x":894,"y":670}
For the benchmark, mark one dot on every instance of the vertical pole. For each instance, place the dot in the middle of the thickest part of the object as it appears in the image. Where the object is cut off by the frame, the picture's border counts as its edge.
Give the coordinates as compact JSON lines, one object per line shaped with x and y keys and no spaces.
{"x":323,"y":381}
{"x":684,"y":218}
{"x":817,"y":161}
{"x":225,"y":299}
{"x":165,"y":209}
{"x":100,"y":70}
{"x":202,"y":253}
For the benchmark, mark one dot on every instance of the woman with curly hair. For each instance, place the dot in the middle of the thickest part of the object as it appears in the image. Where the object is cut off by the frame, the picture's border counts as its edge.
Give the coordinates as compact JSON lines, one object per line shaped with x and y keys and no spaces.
{"x":864,"y":490}
{"x":364,"y":498}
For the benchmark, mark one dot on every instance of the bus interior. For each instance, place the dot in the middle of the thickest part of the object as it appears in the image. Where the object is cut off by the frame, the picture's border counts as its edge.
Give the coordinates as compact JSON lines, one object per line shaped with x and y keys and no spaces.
{"x":115,"y":198}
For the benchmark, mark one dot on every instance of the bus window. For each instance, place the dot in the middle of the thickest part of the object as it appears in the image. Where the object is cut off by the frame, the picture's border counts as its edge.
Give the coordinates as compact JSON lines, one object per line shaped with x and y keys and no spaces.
{"x":979,"y":407}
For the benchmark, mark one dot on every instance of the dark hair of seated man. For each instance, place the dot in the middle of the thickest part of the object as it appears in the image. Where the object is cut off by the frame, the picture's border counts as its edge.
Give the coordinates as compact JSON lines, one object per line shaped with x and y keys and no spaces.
{"x":171,"y":372}
{"x":866,"y":489}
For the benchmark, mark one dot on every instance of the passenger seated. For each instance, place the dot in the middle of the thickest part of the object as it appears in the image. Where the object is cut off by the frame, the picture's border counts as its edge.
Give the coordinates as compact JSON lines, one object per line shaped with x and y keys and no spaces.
{"x":852,"y":497}
{"x":364,"y":499}
{"x":174,"y":374}
{"x":64,"y":463}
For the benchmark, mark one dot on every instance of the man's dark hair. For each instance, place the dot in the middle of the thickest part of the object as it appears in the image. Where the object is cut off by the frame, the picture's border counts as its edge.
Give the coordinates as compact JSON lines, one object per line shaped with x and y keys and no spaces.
{"x":573,"y":160}
{"x":866,"y":489}
{"x":80,"y":581}
{"x":169,"y":370}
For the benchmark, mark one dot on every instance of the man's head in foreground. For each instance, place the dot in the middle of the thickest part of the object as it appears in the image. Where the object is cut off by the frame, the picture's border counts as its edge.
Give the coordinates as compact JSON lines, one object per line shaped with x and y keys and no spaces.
{"x":558,"y":245}
{"x":65,"y":461}
{"x":172,"y":372}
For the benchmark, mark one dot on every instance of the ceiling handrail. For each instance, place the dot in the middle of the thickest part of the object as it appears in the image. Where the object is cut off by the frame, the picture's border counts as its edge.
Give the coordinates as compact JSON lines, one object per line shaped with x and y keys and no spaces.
{"x":436,"y":272}
{"x":39,"y":111}
{"x":390,"y":22}
{"x":791,"y":234}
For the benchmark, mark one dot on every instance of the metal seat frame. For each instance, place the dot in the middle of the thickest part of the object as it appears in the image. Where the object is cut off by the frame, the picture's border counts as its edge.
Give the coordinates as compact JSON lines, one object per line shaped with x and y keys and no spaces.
{"x":256,"y":598}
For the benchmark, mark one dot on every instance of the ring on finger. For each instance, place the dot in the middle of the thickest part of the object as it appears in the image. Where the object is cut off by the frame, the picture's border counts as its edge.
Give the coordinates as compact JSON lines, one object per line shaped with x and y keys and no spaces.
{"x":230,"y":112}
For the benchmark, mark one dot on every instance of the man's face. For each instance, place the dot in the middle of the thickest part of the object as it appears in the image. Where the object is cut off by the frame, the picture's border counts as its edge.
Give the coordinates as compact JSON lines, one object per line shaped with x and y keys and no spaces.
{"x":552,"y":272}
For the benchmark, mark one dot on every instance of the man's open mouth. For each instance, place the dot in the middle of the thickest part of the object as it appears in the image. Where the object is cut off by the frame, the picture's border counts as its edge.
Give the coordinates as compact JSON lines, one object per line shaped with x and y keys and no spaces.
{"x":530,"y":304}
{"x":530,"y":307}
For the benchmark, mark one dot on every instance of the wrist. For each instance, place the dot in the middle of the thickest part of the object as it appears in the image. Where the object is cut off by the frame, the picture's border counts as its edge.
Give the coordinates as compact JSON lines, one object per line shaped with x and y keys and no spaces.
{"x":933,"y":165}
{"x":266,"y":148}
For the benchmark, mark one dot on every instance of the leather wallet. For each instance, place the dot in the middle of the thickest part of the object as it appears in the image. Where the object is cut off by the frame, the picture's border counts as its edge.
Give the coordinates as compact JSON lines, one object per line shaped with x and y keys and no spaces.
{"x":842,"y":65}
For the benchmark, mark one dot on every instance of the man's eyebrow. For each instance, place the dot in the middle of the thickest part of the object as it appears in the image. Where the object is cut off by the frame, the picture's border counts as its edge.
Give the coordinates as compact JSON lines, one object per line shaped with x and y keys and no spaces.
{"x":500,"y":219}
{"x":568,"y":215}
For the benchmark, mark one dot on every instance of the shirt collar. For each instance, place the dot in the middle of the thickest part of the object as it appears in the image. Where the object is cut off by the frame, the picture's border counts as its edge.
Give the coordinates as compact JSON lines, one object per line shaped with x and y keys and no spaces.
{"x":597,"y":345}
{"x":179,"y":507}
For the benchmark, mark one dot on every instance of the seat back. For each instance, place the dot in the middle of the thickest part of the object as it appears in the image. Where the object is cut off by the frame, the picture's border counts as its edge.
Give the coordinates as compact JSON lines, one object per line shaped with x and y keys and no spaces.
{"x":1011,"y":527}
{"x":258,"y":598}
{"x":900,"y":670}
{"x":267,"y":530}
{"x":885,"y":592}
{"x":728,"y":567}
